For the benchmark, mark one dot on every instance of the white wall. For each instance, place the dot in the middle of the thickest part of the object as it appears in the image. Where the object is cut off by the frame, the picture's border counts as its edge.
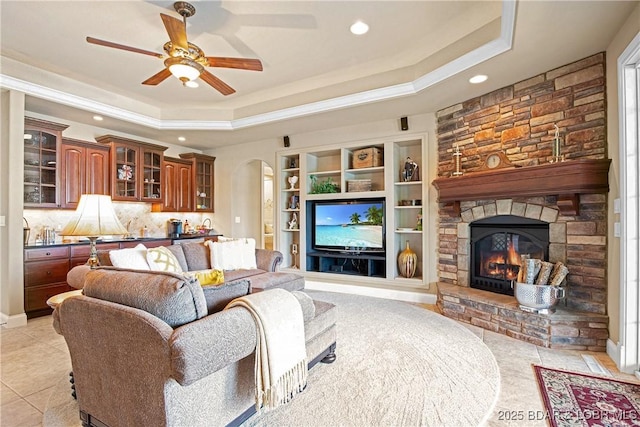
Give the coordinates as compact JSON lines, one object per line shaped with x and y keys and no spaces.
{"x":11,"y":202}
{"x":231,"y":159}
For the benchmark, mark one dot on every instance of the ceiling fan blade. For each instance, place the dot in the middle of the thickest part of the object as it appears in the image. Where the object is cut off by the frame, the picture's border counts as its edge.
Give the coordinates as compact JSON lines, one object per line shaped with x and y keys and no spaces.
{"x":216,"y":83}
{"x":177,"y":31}
{"x":157,"y":78}
{"x":123,"y":47}
{"x":242,"y":63}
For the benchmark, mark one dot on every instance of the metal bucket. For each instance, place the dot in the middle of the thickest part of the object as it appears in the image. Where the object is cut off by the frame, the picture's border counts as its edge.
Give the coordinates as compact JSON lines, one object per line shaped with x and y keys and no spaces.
{"x":538,"y":298}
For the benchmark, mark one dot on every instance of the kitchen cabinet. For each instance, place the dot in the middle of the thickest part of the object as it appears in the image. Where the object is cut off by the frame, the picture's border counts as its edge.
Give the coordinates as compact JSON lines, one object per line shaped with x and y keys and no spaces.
{"x":84,"y":169}
{"x":135,"y":169}
{"x":177,"y":186}
{"x":42,"y":141}
{"x":203,"y":181}
{"x":45,"y":275}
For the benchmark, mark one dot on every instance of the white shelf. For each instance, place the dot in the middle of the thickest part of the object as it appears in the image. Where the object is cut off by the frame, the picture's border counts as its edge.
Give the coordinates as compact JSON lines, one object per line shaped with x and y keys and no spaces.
{"x":401,"y":183}
{"x":324,"y":173}
{"x":408,"y":231}
{"x":363,"y":171}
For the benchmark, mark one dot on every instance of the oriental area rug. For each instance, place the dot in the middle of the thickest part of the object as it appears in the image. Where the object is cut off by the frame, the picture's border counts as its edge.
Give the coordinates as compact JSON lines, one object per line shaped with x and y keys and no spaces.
{"x":397,"y":365}
{"x":574,"y":399}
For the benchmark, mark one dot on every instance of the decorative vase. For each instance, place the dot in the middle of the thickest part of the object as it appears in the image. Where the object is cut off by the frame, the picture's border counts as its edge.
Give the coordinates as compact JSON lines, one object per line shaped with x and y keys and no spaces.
{"x":407,"y":262}
{"x":292,"y":182}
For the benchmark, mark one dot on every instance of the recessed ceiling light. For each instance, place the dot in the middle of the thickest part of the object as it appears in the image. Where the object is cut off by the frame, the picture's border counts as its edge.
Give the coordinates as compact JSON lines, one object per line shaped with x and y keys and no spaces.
{"x":98,"y":118}
{"x":182,"y":139}
{"x":191,"y":83}
{"x":359,"y":28}
{"x":478,"y":79}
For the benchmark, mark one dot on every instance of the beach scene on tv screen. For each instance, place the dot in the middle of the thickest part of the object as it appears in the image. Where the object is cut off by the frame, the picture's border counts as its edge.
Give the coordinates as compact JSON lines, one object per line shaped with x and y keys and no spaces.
{"x":350,"y":225}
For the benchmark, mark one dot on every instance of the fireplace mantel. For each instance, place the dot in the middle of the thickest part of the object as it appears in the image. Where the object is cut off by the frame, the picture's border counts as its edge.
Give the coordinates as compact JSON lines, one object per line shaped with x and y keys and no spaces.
{"x":566,"y":180}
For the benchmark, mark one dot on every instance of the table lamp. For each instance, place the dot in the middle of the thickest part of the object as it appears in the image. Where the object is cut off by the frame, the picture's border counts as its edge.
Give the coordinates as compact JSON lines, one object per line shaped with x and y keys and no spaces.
{"x":94,"y":217}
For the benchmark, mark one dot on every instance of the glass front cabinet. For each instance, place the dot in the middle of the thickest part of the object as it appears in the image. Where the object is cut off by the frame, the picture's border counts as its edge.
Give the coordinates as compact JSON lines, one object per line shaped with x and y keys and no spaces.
{"x":41,"y":157}
{"x":203,"y":178}
{"x":136,"y":169}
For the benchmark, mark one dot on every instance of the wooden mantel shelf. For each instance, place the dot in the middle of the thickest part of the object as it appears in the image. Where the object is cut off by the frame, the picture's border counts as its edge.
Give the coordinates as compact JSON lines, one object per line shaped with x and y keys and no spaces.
{"x":566,"y":180}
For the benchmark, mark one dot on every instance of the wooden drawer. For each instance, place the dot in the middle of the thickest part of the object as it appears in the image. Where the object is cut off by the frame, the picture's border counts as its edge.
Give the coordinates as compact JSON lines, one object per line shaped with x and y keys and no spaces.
{"x":45,"y":272}
{"x":83,"y":251}
{"x":46,"y":253}
{"x":35,"y":298}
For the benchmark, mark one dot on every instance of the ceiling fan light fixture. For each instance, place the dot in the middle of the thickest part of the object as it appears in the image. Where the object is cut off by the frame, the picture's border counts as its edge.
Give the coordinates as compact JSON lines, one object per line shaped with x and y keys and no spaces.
{"x":191,"y":83}
{"x":184,"y":69}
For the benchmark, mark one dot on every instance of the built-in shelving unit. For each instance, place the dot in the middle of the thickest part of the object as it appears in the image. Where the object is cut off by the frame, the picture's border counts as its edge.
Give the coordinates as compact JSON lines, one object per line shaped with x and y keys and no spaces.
{"x":289,"y":208}
{"x":403,"y":207}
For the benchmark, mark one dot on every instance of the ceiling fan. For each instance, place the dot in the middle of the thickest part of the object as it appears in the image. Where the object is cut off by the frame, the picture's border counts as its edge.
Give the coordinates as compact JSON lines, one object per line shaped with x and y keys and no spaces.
{"x":185,"y":60}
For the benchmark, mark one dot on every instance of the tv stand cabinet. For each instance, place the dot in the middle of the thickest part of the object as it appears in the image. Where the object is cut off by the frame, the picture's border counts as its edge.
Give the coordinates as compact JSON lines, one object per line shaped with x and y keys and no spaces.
{"x":358,"y":264}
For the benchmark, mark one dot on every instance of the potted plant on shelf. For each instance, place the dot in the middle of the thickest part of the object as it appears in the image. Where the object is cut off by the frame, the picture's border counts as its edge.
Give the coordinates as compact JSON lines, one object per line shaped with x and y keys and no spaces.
{"x":322,"y":187}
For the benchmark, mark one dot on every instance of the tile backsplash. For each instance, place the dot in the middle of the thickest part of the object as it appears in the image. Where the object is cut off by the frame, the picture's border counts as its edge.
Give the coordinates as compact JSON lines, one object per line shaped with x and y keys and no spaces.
{"x":135,"y":215}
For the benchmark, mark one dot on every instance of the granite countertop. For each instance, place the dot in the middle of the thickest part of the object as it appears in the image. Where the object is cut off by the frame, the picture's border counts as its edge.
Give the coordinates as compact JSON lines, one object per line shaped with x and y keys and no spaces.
{"x":118,"y":240}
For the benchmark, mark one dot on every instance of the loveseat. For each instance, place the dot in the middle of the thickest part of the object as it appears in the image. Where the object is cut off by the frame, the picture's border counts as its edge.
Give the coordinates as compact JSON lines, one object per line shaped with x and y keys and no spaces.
{"x":147,"y":350}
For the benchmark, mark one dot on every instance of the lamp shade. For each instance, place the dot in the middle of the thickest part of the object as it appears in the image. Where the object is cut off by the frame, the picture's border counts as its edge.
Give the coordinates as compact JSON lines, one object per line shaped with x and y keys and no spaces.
{"x":95,"y":216}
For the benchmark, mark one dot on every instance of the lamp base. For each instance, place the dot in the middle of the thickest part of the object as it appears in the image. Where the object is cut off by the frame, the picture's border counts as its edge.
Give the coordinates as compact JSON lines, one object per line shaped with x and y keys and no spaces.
{"x":93,"y":256}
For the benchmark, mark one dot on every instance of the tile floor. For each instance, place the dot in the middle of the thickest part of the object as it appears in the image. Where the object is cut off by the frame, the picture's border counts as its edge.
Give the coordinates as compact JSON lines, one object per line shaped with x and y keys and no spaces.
{"x":34,"y":359}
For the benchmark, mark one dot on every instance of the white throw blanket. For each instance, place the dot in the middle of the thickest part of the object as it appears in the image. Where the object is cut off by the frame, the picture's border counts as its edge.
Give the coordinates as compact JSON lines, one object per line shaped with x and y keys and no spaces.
{"x":281,"y":356}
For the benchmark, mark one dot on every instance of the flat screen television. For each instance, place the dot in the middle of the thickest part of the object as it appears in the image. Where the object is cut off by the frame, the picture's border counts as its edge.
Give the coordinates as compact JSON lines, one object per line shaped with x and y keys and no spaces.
{"x":348,"y":225}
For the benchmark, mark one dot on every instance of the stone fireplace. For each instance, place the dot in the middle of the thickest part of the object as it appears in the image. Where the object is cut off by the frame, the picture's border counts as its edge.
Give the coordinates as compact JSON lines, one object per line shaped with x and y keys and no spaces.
{"x":559,"y":207}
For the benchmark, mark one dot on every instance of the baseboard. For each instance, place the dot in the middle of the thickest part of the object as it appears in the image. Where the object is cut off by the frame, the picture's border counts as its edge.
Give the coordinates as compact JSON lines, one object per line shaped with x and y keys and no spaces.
{"x":408,"y":296}
{"x":13,"y":321}
{"x":613,"y":351}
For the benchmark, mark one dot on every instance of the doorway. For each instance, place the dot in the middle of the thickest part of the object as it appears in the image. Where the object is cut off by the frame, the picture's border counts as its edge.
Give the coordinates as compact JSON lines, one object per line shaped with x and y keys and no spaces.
{"x":252,"y":211}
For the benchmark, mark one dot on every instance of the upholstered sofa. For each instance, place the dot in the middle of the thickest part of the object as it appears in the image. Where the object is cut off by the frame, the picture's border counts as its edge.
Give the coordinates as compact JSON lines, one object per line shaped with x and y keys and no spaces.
{"x":148,"y":348}
{"x":196,"y":256}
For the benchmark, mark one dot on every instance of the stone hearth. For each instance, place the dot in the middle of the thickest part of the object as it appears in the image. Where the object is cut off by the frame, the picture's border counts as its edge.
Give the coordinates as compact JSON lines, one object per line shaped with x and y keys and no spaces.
{"x":564,"y":329}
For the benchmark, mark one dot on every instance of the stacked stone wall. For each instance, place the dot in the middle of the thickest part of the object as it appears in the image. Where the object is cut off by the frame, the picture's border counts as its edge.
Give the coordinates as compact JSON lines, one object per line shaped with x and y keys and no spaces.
{"x":519,"y":120}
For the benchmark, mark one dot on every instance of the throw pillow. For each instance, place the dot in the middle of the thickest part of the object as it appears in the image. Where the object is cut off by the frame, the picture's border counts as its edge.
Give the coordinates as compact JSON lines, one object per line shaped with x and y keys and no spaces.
{"x":208,"y":277}
{"x":131,"y":258}
{"x":233,"y":254}
{"x":162,"y":259}
{"x":248,"y":250}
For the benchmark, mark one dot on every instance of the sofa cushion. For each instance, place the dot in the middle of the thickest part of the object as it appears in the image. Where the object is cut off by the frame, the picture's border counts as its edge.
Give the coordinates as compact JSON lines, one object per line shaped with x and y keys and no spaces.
{"x":288,"y":281}
{"x":196,"y":256}
{"x":177,"y":251}
{"x":133,"y":258}
{"x":232,"y":275}
{"x":162,"y":259}
{"x":218,"y":296}
{"x":169,"y":296}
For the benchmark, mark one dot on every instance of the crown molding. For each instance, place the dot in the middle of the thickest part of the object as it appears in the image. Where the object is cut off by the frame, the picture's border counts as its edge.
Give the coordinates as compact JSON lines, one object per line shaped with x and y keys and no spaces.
{"x":489,"y":50}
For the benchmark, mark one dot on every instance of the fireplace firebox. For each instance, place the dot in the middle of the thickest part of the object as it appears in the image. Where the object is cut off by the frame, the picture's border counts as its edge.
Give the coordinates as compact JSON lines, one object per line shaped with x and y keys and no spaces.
{"x":497,"y":245}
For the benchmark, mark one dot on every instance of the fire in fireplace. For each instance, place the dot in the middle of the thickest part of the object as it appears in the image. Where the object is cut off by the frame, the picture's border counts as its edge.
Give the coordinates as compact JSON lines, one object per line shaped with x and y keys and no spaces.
{"x":497,"y":246}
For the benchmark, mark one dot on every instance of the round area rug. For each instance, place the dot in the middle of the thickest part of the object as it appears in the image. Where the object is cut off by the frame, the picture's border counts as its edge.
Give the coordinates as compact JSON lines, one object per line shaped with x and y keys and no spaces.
{"x":397,"y":364}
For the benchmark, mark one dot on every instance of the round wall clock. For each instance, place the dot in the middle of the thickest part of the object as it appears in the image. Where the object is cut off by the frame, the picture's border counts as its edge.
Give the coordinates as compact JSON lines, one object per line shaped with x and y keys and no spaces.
{"x":497,"y":160}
